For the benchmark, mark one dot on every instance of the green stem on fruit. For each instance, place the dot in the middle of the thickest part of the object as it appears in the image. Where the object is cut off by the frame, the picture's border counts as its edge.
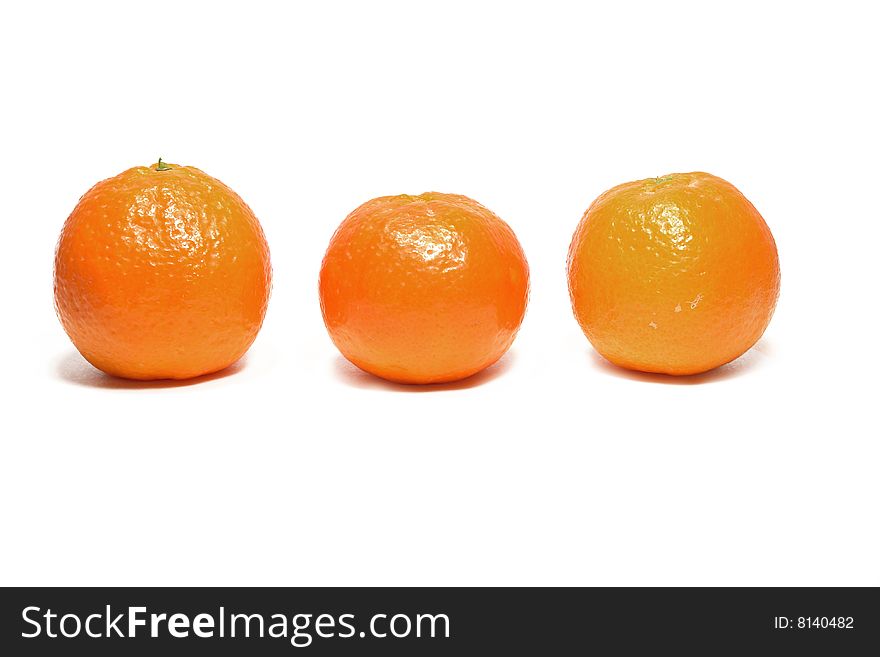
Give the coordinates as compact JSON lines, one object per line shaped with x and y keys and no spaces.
{"x":161,"y":166}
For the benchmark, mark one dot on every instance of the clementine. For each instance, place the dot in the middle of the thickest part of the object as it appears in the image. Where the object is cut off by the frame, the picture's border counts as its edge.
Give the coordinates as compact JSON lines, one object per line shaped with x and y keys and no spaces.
{"x":423,"y":289}
{"x":162,"y":272}
{"x":677,"y":274}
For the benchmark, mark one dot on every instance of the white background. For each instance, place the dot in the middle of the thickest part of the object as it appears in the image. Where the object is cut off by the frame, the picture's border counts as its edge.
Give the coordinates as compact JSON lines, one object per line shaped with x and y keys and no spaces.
{"x":551,"y":468}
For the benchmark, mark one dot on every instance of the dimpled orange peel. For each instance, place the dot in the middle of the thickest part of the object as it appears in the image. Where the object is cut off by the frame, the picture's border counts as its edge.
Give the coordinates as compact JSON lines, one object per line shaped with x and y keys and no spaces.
{"x":676,"y":275}
{"x":423,"y":289}
{"x":162,"y":272}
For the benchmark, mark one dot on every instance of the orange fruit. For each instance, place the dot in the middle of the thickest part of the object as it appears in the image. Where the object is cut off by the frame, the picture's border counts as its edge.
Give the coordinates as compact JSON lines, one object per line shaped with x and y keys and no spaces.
{"x":162,"y":272}
{"x":677,"y":274}
{"x":423,"y":289}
